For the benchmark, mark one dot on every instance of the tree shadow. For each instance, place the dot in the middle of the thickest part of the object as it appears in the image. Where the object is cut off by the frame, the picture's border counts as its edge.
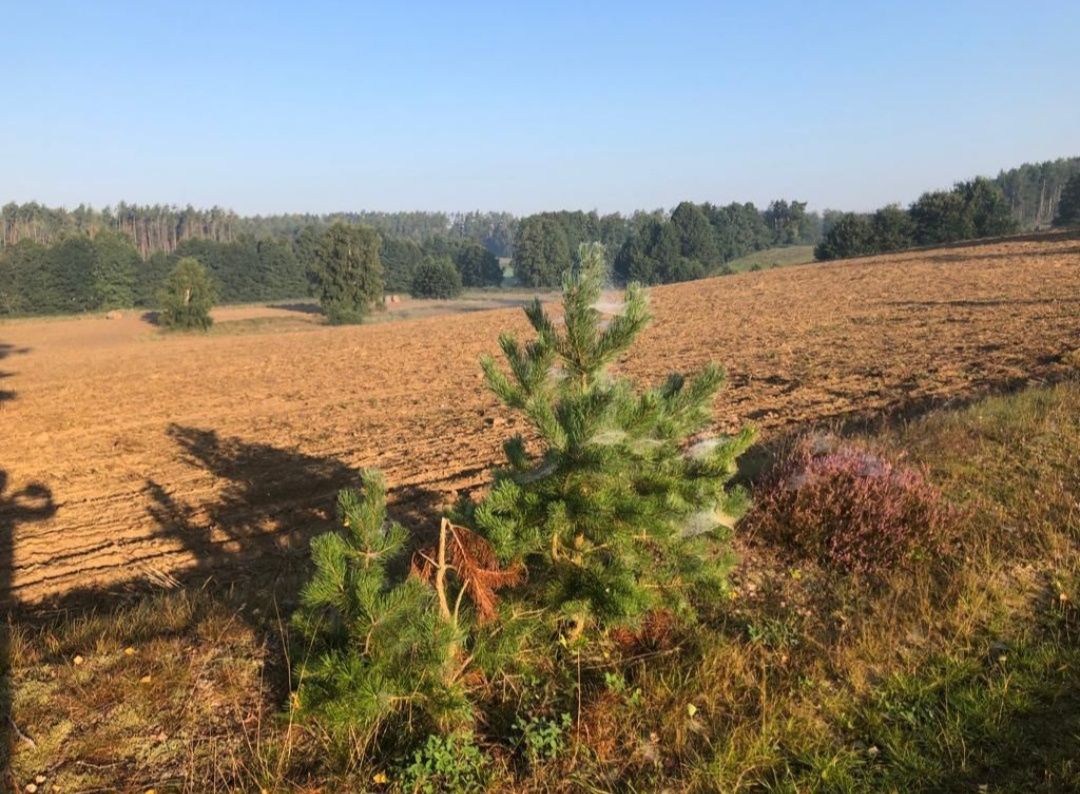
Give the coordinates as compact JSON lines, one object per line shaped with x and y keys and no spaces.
{"x":253,"y":540}
{"x":299,"y":307}
{"x":273,"y":501}
{"x":6,"y":350}
{"x":33,"y":502}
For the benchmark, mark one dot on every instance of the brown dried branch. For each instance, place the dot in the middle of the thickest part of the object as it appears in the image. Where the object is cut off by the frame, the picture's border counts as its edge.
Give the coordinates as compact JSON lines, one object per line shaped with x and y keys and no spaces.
{"x":474,"y":564}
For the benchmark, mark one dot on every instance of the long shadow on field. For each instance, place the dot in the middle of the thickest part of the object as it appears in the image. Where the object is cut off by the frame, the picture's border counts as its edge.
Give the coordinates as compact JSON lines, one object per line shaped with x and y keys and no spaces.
{"x":5,"y":351}
{"x":6,"y":394}
{"x":273,"y":500}
{"x":33,"y":502}
{"x":255,"y":537}
{"x":251,"y":545}
{"x":300,"y":307}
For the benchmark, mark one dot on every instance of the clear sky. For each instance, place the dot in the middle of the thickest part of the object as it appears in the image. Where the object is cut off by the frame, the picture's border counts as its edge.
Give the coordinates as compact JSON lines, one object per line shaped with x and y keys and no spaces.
{"x":320,"y":106}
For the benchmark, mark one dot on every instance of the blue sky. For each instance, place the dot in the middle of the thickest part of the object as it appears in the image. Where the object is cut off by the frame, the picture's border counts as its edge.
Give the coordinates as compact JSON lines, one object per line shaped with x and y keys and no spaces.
{"x":319,"y":106}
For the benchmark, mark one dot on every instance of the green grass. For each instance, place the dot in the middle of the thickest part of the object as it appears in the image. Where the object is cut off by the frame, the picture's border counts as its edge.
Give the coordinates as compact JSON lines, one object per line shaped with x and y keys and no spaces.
{"x":773,"y":257}
{"x":964,"y":674}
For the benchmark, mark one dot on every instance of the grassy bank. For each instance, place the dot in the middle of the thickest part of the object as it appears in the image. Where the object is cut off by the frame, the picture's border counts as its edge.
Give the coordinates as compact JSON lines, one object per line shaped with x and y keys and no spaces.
{"x":961,"y":675}
{"x":773,"y":257}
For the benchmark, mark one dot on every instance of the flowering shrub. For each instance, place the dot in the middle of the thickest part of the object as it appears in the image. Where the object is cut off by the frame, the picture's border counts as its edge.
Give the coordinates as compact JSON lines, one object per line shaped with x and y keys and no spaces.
{"x":850,"y":508}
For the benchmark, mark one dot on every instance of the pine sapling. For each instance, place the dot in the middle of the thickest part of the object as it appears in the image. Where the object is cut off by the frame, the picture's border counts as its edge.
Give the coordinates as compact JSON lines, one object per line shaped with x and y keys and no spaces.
{"x":613,"y":511}
{"x":378,"y":654}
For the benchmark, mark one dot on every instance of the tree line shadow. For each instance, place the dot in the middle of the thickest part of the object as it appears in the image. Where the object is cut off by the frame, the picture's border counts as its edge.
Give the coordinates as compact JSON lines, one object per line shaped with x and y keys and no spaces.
{"x":6,"y":350}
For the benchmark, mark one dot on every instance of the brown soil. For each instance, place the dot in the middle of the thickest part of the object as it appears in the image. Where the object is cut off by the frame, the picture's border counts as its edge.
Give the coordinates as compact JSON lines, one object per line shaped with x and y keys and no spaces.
{"x":167,"y":454}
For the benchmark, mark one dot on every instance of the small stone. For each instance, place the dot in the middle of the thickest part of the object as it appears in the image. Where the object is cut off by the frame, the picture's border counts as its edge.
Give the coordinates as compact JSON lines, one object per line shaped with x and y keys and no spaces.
{"x":145,"y":679}
{"x":129,"y":651}
{"x":77,"y":660}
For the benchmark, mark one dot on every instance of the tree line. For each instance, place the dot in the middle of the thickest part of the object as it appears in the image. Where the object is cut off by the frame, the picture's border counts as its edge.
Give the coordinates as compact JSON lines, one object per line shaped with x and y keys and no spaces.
{"x":57,"y":261}
{"x":81,"y":273}
{"x":1034,"y":190}
{"x":693,"y":241}
{"x":154,"y":228}
{"x":970,"y":210}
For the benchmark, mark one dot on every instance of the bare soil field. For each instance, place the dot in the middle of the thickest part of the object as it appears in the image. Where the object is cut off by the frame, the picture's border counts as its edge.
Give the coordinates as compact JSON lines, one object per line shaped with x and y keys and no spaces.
{"x":133,"y":457}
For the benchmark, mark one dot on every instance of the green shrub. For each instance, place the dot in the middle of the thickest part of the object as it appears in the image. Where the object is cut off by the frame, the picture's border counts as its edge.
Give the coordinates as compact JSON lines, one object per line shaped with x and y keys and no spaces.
{"x":446,"y":764}
{"x":543,"y":738}
{"x":436,"y":278}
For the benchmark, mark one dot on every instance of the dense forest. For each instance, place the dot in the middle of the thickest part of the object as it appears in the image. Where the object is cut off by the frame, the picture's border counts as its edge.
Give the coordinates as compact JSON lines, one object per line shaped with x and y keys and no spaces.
{"x":1034,"y":189}
{"x":58,"y":260}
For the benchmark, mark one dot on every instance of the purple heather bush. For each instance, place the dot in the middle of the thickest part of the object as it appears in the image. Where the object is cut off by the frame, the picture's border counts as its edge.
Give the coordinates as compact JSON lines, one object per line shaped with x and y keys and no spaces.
{"x":849,"y":508}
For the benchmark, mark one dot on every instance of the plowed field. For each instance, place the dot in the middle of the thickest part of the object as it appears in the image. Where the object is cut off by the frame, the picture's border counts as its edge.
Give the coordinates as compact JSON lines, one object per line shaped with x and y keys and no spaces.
{"x":133,"y":457}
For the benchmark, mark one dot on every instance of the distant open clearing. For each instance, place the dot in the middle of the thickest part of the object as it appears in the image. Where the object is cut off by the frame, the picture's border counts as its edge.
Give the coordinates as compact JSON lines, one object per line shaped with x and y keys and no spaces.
{"x":164,"y":453}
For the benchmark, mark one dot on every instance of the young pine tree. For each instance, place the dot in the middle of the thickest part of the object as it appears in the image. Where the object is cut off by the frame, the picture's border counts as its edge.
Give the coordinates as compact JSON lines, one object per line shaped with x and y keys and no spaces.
{"x":615,"y":513}
{"x":378,"y":655}
{"x":187,"y":297}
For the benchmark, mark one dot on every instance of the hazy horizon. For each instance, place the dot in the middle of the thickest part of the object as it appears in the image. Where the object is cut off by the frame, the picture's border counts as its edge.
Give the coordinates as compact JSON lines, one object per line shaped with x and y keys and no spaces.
{"x":271,"y":109}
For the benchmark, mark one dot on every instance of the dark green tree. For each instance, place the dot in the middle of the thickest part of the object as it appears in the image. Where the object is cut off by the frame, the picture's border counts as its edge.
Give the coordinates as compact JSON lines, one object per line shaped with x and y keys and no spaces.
{"x":478,"y":266}
{"x":436,"y":277}
{"x":400,"y":259}
{"x":892,"y":229}
{"x":348,"y":273}
{"x":740,"y":229}
{"x":986,"y":205}
{"x":541,"y":252}
{"x":941,"y":217}
{"x":634,"y":262}
{"x":115,"y":269}
{"x":612,"y":510}
{"x":850,"y":235}
{"x":697,"y":238}
{"x":70,"y":265}
{"x":151,"y":278}
{"x":1068,"y":211}
{"x":26,"y":283}
{"x":187,"y":298}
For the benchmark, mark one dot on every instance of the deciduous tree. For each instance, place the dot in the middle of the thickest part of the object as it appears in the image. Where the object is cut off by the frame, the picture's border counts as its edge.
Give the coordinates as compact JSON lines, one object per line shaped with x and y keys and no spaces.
{"x":187,"y":297}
